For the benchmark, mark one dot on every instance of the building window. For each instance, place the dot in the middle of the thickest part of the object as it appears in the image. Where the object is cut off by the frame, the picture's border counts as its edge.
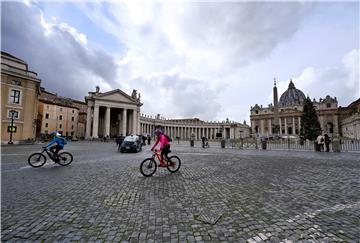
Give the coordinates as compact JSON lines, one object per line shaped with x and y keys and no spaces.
{"x":72,"y":118}
{"x":46,"y":124}
{"x":73,"y":111}
{"x":328,"y":105}
{"x":60,"y":117}
{"x":15,"y":96}
{"x":72,"y":133}
{"x":60,"y":126}
{"x":16,"y":82}
{"x":47,"y":107}
{"x":72,"y":126}
{"x":16,"y":114}
{"x":46,"y":116}
{"x":60,"y":109}
{"x":46,"y":131}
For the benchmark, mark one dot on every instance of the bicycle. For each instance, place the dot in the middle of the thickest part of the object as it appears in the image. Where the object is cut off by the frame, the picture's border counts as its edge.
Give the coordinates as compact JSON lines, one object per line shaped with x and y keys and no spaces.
{"x":148,"y":166}
{"x":39,"y":159}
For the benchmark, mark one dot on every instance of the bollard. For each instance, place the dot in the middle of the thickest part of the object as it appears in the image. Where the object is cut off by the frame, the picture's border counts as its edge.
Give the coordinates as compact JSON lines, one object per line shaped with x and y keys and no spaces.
{"x":223,"y":143}
{"x":263,"y":144}
{"x":336,"y":146}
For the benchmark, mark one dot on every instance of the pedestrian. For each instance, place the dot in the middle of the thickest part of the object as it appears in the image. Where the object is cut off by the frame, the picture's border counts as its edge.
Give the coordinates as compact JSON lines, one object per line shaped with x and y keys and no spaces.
{"x":327,"y":142}
{"x":119,"y":141}
{"x":148,"y":139}
{"x":203,"y":141}
{"x":143,"y":140}
{"x":320,"y":141}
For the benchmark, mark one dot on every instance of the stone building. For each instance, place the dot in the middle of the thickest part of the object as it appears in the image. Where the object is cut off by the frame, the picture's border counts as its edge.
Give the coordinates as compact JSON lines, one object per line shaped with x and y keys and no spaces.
{"x":283,"y":117}
{"x":114,"y":113}
{"x":350,"y":120}
{"x":58,"y":113}
{"x":185,"y":128}
{"x":20,"y":89}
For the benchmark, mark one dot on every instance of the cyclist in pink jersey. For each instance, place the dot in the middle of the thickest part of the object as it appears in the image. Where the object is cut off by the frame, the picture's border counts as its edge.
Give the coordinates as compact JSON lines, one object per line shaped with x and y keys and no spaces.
{"x":164,"y":141}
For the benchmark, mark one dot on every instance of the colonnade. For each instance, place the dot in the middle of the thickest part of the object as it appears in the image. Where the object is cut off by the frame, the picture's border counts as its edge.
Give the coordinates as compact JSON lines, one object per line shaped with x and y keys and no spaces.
{"x":284,"y":122}
{"x":184,"y":132}
{"x":125,"y":121}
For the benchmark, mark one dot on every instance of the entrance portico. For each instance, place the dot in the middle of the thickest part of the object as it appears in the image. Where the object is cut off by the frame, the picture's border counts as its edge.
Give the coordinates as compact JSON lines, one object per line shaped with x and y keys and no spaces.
{"x":112,"y":113}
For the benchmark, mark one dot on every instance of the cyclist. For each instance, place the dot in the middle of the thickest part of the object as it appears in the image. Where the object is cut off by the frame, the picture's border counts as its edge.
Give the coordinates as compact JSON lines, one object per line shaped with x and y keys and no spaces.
{"x":164,"y":141}
{"x":60,"y":144}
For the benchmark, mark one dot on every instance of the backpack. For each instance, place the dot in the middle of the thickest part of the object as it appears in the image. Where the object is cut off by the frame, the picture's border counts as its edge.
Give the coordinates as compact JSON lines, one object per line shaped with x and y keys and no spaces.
{"x":168,"y":138}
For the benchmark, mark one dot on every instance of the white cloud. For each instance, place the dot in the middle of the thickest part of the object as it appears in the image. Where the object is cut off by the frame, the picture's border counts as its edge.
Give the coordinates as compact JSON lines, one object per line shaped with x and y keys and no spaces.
{"x":337,"y":81}
{"x":58,"y":52}
{"x":206,"y":42}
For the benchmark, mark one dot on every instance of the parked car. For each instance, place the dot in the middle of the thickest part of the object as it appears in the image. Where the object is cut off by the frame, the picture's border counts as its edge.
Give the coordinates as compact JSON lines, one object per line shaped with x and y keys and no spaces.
{"x":131,"y":143}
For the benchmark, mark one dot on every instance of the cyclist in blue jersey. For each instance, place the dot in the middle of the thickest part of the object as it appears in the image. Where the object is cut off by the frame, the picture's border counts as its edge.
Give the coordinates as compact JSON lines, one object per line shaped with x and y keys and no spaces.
{"x":59,"y":142}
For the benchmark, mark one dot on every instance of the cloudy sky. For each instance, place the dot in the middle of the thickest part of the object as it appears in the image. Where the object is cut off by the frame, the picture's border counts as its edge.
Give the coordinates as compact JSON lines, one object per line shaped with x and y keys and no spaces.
{"x":211,"y":60}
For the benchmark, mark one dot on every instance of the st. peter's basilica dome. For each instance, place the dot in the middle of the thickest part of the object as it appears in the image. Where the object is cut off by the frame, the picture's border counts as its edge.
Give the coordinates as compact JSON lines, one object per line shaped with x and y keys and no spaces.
{"x":292,"y":96}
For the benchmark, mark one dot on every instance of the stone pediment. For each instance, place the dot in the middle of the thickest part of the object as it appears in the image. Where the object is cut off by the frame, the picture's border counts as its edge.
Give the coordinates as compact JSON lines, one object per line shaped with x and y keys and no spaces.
{"x":116,"y":96}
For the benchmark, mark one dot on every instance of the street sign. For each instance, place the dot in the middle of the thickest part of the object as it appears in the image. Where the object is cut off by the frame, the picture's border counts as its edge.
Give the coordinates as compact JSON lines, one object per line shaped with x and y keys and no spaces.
{"x":11,"y":128}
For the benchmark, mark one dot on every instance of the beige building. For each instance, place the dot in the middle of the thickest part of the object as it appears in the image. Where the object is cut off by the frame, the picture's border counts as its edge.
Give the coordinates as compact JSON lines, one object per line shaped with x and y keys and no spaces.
{"x":20,"y":89}
{"x":283,"y":118}
{"x":350,"y":120}
{"x":59,"y":114}
{"x":114,"y":113}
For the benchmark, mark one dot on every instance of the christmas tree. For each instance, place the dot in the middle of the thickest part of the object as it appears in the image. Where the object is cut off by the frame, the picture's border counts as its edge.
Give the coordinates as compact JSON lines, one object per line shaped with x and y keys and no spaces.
{"x":310,"y":126}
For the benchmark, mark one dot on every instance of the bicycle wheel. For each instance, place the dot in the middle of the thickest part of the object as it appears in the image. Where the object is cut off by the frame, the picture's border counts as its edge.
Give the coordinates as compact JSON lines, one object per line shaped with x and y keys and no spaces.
{"x":148,"y":167}
{"x":174,"y":164}
{"x":65,"y":158}
{"x":37,"y":160}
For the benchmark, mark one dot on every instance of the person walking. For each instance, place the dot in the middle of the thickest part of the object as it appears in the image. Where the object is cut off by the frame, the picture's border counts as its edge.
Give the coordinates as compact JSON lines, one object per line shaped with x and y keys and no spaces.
{"x":327,"y":142}
{"x":320,"y":141}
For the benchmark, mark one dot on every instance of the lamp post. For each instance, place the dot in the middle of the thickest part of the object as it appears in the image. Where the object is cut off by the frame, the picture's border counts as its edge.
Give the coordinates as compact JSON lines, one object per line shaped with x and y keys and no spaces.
{"x":12,"y":112}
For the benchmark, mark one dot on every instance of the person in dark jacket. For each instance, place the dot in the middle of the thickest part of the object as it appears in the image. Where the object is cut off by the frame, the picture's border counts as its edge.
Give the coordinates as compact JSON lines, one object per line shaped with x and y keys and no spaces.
{"x":327,"y":142}
{"x":148,"y":139}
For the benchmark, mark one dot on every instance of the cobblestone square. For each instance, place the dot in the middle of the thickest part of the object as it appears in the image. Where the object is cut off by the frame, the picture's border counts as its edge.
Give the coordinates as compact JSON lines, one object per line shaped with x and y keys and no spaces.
{"x":218,"y":195}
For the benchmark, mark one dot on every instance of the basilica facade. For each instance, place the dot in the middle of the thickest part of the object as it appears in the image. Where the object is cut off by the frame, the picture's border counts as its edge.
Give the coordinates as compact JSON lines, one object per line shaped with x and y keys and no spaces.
{"x":116,"y":113}
{"x":283,"y":117}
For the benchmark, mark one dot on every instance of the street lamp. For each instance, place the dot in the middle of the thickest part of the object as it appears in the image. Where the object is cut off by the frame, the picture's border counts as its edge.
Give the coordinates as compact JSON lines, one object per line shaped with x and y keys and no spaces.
{"x":11,"y":128}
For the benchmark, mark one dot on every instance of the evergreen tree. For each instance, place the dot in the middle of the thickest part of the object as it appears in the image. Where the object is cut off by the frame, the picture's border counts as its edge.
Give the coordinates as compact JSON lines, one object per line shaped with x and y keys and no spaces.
{"x":310,"y":126}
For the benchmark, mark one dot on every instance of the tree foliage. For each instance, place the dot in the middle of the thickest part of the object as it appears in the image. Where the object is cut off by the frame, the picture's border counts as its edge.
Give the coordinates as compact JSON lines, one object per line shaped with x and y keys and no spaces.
{"x":310,"y":126}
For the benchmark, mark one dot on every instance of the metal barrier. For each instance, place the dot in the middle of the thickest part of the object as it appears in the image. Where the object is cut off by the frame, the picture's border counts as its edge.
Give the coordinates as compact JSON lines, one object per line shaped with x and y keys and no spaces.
{"x":350,"y":145}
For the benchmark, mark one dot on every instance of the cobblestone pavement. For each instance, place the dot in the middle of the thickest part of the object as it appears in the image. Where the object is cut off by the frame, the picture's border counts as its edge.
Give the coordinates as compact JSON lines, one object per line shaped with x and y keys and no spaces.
{"x":218,"y":195}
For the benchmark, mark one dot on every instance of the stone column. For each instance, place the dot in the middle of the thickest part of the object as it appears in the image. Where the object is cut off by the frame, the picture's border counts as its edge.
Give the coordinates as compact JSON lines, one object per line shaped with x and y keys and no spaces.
{"x":138,"y":122}
{"x":134,"y":122}
{"x":262,"y":127}
{"x":293,"y":129}
{"x":299,"y":124}
{"x":107,"y":122}
{"x":280,"y":132}
{"x":285,"y":121}
{"x":124,"y":120}
{"x":88,"y":122}
{"x":336,"y":126}
{"x":95,"y":122}
{"x":270,"y":127}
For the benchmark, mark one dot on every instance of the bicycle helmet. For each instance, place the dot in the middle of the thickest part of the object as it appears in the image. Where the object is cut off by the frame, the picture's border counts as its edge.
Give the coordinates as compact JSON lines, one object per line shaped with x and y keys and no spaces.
{"x":158,"y":131}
